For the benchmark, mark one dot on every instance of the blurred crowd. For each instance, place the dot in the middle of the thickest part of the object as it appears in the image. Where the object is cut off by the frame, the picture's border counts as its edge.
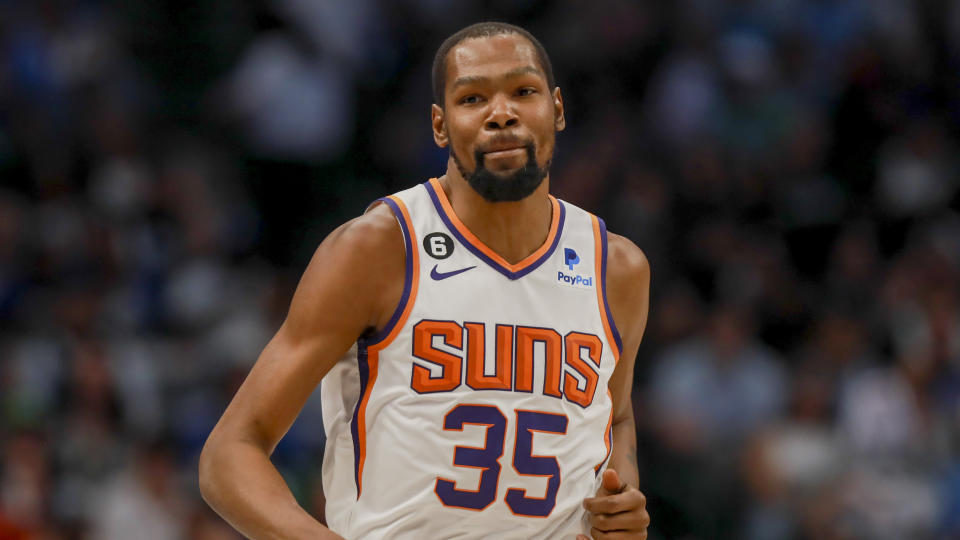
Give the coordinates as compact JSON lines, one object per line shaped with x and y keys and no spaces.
{"x":790,"y":167}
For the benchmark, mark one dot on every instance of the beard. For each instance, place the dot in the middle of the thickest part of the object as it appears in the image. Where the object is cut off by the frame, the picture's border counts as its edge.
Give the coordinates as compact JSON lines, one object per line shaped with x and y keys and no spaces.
{"x":504,"y":188}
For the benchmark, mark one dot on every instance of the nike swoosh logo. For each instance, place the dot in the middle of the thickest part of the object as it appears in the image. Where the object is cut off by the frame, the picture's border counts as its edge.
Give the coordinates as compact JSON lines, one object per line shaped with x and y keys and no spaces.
{"x":444,"y":275}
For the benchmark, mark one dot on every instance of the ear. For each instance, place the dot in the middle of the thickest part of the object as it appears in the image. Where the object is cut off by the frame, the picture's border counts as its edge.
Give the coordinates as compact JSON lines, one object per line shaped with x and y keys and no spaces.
{"x":559,"y":122}
{"x":438,"y":121}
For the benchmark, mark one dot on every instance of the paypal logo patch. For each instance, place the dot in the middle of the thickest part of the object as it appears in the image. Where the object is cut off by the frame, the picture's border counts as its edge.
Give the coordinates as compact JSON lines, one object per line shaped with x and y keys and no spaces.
{"x":575,"y":280}
{"x":571,"y":259}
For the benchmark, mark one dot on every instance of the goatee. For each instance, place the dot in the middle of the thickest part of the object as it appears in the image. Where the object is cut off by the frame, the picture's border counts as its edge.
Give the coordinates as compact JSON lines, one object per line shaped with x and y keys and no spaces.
{"x":512,"y":187}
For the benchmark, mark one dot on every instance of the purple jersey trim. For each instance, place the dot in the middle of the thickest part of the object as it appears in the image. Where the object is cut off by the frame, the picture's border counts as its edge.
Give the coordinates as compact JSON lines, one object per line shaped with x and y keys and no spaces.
{"x":407,"y":280}
{"x":603,"y":284}
{"x":598,"y":468}
{"x":483,"y":256}
{"x":363,"y":343}
{"x":364,"y":367}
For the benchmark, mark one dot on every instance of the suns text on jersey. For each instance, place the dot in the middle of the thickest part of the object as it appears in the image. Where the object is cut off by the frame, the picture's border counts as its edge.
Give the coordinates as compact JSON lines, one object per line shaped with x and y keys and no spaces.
{"x":570,"y":362}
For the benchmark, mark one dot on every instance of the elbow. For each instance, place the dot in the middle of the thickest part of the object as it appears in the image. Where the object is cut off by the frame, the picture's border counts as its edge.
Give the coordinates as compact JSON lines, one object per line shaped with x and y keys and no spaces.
{"x":624,"y":418}
{"x":207,"y":472}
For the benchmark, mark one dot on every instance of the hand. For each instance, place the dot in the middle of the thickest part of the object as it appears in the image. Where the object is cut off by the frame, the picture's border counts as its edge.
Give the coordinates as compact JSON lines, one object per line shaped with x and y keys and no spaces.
{"x":618,"y":511}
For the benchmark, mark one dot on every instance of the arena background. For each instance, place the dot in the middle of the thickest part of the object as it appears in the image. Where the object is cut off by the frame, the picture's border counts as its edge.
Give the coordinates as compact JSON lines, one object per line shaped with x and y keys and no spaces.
{"x":790,"y":168}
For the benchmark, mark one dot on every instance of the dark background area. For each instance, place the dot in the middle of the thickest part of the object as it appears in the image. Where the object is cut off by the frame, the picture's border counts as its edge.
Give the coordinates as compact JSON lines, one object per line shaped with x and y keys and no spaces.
{"x":790,"y":168}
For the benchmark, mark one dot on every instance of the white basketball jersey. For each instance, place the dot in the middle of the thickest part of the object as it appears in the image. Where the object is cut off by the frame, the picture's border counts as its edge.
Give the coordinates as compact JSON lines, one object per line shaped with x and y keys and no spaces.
{"x":481,"y":410}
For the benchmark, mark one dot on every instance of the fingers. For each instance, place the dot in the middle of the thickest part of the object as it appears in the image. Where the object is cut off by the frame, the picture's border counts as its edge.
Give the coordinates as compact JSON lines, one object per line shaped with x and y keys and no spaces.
{"x":617,"y":512}
{"x":625,"y":521}
{"x":614,"y":504}
{"x":617,"y":535}
{"x":611,"y":483}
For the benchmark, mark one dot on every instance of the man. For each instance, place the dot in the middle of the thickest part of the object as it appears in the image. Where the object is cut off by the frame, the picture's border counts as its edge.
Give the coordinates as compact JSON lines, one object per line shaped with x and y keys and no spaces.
{"x":474,"y":381}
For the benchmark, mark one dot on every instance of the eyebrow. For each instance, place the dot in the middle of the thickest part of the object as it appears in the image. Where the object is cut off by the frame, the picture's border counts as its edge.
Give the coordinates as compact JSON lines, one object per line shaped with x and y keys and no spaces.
{"x":515,"y":72}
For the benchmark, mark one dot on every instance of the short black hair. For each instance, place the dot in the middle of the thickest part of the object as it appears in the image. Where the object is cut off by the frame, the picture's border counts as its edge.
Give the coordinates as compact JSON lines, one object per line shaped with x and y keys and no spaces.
{"x":481,"y":30}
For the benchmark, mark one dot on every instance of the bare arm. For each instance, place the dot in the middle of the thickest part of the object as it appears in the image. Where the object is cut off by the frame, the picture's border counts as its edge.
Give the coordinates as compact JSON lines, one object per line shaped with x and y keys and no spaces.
{"x":618,"y":510}
{"x":352,"y":284}
{"x":628,"y":292}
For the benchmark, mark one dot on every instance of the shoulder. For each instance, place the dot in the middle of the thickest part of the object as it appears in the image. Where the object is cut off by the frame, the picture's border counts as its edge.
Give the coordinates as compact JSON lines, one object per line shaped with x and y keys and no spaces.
{"x":628,"y":270}
{"x":359,"y":267}
{"x":366,"y":245}
{"x":628,"y":289}
{"x":375,"y":233}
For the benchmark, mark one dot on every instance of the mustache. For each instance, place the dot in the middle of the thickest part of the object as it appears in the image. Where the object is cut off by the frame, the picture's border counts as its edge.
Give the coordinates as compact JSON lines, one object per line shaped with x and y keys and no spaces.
{"x":480,"y":155}
{"x":500,"y":141}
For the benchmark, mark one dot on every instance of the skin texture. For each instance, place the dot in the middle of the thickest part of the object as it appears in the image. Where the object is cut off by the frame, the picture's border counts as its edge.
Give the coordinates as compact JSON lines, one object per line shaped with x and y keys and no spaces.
{"x":497,"y":96}
{"x":618,"y":510}
{"x":353,"y":282}
{"x":496,"y":99}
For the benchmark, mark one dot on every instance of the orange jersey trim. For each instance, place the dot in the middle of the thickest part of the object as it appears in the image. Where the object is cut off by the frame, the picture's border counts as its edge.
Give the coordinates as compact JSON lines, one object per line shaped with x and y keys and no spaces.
{"x":372,"y":351}
{"x":607,"y":435}
{"x":601,"y":283}
{"x":476,"y":243}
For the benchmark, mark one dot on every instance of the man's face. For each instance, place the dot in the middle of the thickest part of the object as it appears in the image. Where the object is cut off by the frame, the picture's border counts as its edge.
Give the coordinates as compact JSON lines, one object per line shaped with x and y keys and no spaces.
{"x":499,"y":116}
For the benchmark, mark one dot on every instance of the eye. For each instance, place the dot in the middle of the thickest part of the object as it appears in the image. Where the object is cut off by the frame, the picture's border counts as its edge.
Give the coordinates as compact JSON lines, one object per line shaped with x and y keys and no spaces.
{"x":470,"y":99}
{"x":526,"y":91}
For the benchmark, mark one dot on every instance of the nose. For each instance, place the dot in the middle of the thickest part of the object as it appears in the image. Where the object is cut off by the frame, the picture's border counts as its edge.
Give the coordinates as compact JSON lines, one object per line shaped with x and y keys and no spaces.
{"x":501,"y":114}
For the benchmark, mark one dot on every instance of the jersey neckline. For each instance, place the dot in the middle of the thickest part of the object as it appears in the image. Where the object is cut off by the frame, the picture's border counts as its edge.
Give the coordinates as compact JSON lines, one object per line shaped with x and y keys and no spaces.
{"x":481,"y":250}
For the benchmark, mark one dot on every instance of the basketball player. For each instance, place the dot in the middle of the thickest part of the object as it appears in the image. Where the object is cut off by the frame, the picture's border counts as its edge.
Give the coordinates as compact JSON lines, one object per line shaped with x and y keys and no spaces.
{"x":475,"y":338}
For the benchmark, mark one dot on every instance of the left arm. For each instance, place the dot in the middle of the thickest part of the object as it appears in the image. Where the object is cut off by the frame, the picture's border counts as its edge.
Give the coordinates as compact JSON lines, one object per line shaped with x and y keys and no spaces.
{"x":619,"y":509}
{"x":628,"y":292}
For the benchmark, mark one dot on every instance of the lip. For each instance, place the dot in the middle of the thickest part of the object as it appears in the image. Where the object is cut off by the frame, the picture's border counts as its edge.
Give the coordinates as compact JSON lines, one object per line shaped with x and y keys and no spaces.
{"x":501,"y":144}
{"x":505,"y":152}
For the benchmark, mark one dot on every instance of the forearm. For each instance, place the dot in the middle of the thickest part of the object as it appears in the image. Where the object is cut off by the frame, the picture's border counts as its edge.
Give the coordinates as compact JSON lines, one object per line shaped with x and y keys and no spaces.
{"x":240,"y":483}
{"x":623,"y":456}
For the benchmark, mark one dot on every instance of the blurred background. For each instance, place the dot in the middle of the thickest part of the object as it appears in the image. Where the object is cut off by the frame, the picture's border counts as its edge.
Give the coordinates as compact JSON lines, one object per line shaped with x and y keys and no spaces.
{"x":790,"y":167}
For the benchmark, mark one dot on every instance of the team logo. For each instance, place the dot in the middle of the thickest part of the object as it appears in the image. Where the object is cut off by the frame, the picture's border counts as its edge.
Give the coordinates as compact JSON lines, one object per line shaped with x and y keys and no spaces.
{"x":571,"y":259}
{"x":438,"y":245}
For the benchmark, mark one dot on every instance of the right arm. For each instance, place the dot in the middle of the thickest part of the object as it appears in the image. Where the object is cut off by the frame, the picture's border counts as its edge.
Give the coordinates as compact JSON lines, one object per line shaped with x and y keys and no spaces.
{"x":352,"y":285}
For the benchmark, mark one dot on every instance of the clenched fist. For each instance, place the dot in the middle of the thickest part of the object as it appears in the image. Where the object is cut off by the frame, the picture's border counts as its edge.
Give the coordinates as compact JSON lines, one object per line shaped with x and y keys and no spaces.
{"x":617,"y":511}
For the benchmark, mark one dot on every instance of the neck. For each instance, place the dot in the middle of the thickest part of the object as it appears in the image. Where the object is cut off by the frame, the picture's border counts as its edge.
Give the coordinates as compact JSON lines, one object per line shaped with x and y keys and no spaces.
{"x":513,"y":229}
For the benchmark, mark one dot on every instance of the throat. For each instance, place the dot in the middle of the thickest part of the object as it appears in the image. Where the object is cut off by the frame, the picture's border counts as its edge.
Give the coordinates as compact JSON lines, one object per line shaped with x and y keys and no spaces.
{"x":513,"y":239}
{"x":512,"y":230}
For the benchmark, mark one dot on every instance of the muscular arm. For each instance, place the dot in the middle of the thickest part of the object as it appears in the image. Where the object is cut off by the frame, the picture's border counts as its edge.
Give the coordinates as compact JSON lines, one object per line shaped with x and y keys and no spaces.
{"x":628,"y":291}
{"x":352,"y":284}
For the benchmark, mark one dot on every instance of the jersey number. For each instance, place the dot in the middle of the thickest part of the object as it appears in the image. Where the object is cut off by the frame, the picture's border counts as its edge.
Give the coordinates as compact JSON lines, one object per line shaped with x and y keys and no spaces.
{"x":487,"y":458}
